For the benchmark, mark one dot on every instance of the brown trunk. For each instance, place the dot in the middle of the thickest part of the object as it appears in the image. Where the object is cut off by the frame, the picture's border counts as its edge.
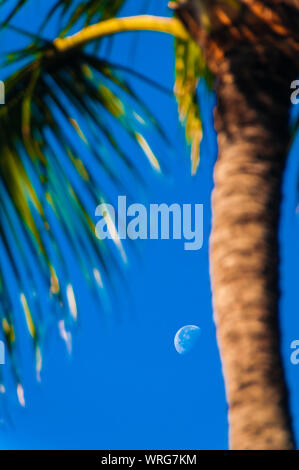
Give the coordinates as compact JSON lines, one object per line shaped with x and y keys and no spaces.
{"x":253,"y":98}
{"x":253,"y":140}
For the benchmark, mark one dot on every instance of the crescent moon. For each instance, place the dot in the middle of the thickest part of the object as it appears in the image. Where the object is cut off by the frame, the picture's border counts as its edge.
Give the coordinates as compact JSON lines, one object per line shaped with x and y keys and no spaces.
{"x":186,"y":338}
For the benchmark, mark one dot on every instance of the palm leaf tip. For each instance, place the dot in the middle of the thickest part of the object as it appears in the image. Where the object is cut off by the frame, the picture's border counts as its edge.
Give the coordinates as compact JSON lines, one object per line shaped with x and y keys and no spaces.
{"x":190,"y":68}
{"x":20,"y":394}
{"x":65,"y":335}
{"x":72,"y":301}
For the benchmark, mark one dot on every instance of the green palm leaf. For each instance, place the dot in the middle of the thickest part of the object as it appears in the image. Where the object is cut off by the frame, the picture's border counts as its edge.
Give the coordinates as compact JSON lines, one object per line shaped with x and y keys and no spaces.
{"x":190,"y":68}
{"x":71,"y":11}
{"x":56,"y":110}
{"x":64,"y":121}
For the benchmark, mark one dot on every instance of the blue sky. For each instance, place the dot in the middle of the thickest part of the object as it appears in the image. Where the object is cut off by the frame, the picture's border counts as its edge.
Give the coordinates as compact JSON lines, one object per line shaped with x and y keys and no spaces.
{"x":125,"y":386}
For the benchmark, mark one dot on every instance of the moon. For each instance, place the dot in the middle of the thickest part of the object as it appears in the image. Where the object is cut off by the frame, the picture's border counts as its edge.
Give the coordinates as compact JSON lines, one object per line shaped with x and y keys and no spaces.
{"x":186,"y":338}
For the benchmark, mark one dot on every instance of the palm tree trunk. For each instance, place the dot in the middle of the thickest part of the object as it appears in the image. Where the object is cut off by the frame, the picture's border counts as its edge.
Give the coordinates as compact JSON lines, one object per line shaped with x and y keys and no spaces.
{"x":253,"y":139}
{"x":254,"y":68}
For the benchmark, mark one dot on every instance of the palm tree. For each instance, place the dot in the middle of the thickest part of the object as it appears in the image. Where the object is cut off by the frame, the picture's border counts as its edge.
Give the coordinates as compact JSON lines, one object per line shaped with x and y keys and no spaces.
{"x":250,"y":47}
{"x":252,"y":50}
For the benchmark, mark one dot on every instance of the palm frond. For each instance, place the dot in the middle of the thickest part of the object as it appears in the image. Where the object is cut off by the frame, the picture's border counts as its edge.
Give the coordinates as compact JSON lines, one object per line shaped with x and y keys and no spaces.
{"x":190,"y":68}
{"x":60,"y":156}
{"x":68,"y":117}
{"x":71,"y":12}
